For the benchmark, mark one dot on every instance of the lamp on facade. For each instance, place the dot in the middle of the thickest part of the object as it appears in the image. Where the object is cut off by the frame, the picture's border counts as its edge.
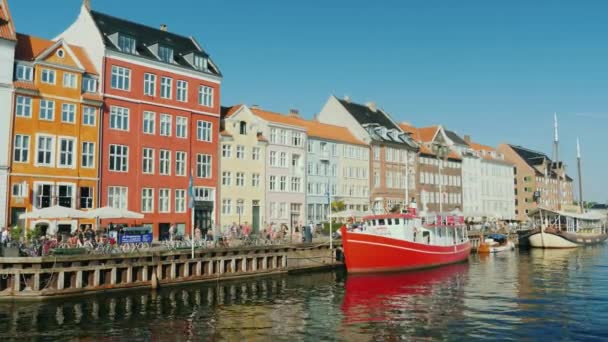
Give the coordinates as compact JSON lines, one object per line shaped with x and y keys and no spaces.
{"x":441,"y":151}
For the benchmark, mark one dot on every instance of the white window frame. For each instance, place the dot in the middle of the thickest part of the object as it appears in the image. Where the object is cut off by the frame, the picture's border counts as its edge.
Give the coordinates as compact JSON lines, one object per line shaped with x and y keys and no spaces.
{"x":48,"y":76}
{"x":204,"y":130}
{"x":24,"y":72}
{"x":152,"y":123}
{"x":164,"y":197}
{"x":226,"y":178}
{"x":147,"y":161}
{"x":180,"y":200}
{"x":49,"y":105}
{"x":240,"y":179}
{"x":52,"y":151}
{"x":122,"y":157}
{"x":255,"y":153}
{"x":121,"y":115}
{"x":166,"y":85}
{"x":19,"y":149}
{"x":181,"y":93}
{"x":165,"y":124}
{"x":181,"y":127}
{"x":181,"y":158}
{"x":147,"y":200}
{"x":23,"y":106}
{"x":226,"y":206}
{"x":204,"y":162}
{"x":205,"y":96}
{"x":226,"y":151}
{"x":149,"y":84}
{"x":68,"y":113}
{"x":240,"y":152}
{"x":86,"y":156}
{"x":120,"y":78}
{"x":70,"y":80}
{"x":164,"y":162}
{"x":89,"y":116}
{"x":118,"y":194}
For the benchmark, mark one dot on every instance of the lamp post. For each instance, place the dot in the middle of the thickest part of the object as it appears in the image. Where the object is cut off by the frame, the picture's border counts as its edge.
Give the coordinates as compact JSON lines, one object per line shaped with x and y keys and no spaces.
{"x":328,"y":173}
{"x":441,"y":151}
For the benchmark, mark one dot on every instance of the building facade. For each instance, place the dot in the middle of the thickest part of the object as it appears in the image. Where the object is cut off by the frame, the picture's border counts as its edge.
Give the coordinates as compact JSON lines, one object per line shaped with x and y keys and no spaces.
{"x":285,"y":168}
{"x":55,"y":130}
{"x":160,"y":121}
{"x":393,"y":156}
{"x":8,"y":39}
{"x":242,"y":169}
{"x":535,"y":172}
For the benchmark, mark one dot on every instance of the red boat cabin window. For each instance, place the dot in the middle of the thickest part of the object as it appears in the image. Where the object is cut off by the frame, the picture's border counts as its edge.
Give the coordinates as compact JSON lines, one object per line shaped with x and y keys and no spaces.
{"x":397,"y":221}
{"x":381,"y":222}
{"x":389,"y":222}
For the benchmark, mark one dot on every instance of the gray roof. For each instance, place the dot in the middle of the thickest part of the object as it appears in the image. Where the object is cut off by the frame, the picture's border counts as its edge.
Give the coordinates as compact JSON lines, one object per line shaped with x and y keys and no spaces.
{"x":455,"y":138}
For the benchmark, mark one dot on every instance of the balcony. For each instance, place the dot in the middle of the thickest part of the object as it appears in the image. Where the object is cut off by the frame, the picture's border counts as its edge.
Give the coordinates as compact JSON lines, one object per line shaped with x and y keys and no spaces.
{"x":324,"y":156}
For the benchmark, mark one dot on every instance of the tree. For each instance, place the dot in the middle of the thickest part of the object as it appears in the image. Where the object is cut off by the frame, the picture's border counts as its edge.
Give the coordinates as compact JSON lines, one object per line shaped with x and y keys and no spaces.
{"x":337,"y":206}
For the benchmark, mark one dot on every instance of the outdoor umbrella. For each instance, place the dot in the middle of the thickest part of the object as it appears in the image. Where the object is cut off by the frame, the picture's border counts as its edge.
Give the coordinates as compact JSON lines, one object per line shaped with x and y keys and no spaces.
{"x":55,"y":212}
{"x":113,"y":213}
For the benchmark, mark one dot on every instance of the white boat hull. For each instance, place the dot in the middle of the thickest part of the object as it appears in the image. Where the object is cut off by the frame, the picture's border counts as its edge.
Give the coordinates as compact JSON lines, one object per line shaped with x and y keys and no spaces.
{"x":544,"y":240}
{"x":510,"y":246}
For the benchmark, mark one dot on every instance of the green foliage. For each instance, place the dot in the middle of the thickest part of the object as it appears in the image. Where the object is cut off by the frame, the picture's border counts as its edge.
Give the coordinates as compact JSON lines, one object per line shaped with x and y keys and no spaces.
{"x":16,"y":233}
{"x":337,"y":206}
{"x":34,"y":234}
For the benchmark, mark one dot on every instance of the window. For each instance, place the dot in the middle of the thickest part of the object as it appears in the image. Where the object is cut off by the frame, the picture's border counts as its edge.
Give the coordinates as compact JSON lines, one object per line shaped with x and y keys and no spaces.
{"x":21,"y":152}
{"x":226,"y":151}
{"x":255,"y":180}
{"x":182,"y":91}
{"x":69,"y":80}
{"x":273,"y":135}
{"x":181,"y":127}
{"x":24,"y":106}
{"x":68,"y":113}
{"x":242,"y":128}
{"x":47,"y":110}
{"x":295,"y":161}
{"x":203,"y":166}
{"x":205,"y":96}
{"x":226,"y":178}
{"x":200,"y":62}
{"x":147,"y":166}
{"x":283,"y":159}
{"x":147,"y":200}
{"x":273,"y":209}
{"x":240,"y":179}
{"x":283,"y":183}
{"x":240,"y":207}
{"x":48,"y":76}
{"x":89,"y":116}
{"x":121,"y":78}
{"x":45,"y":147}
{"x":295,"y":184}
{"x":89,"y":84}
{"x":87,"y":159}
{"x":240,"y":152}
{"x":376,"y":179}
{"x":165,"y":54}
{"x":65,"y":194}
{"x":126,"y":43}
{"x":273,"y":158}
{"x":117,"y":197}
{"x":149,"y":84}
{"x":283,"y":137}
{"x":272,"y":184}
{"x":283,"y":210}
{"x":24,"y":72}
{"x":297,"y":139}
{"x":255,"y":153}
{"x":376,"y":153}
{"x":149,"y":122}
{"x":203,"y":130}
{"x":165,"y":87}
{"x":86,"y":197}
{"x":119,"y":118}
{"x":165,"y":125}
{"x":164,"y":198}
{"x":226,"y":207}
{"x":43,"y":195}
{"x":119,"y":157}
{"x":180,"y":163}
{"x":180,"y":201}
{"x":165,"y":163}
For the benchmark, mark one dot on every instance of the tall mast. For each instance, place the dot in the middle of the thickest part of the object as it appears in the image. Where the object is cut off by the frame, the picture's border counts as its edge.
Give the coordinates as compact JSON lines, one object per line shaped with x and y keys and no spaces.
{"x":580,"y":179}
{"x":556,"y":161}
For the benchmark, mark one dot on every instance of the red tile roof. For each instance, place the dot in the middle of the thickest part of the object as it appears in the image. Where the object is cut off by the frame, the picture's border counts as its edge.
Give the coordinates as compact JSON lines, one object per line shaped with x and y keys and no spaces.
{"x":7,"y":27}
{"x":92,"y":97}
{"x":426,"y":135}
{"x":24,"y":85}
{"x":30,"y":47}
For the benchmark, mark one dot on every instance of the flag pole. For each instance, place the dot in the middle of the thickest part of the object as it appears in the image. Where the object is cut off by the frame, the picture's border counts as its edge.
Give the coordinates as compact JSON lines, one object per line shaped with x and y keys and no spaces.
{"x":191,"y":205}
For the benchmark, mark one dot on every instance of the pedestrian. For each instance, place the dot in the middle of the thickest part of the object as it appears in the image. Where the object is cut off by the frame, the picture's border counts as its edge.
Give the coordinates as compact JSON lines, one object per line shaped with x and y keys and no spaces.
{"x":4,"y":236}
{"x":246,"y":229}
{"x":198,"y":235}
{"x":172,"y":233}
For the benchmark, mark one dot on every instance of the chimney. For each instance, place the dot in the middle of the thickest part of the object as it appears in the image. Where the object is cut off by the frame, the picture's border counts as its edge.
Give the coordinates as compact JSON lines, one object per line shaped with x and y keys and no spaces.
{"x":87,"y":4}
{"x":255,"y":106}
{"x":371,"y":106}
{"x":163,"y":27}
{"x":294,"y":113}
{"x":467,"y":138}
{"x":347,"y":98}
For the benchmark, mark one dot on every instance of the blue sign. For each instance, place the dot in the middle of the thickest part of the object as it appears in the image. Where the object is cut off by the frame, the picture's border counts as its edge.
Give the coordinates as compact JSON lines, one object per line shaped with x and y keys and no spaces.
{"x":143,"y":238}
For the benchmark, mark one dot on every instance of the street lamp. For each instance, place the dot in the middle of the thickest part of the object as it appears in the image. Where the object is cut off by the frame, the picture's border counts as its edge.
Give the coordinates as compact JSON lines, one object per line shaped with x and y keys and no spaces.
{"x":329,"y":174}
{"x":441,"y":151}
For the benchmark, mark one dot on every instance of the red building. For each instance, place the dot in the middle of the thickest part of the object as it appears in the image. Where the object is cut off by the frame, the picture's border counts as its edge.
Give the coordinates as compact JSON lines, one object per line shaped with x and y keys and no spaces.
{"x":160,"y":120}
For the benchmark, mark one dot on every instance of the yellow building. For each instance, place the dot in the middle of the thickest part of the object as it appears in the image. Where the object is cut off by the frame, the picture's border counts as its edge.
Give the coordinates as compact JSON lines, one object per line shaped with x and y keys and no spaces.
{"x":242,"y":169}
{"x":55,"y":136}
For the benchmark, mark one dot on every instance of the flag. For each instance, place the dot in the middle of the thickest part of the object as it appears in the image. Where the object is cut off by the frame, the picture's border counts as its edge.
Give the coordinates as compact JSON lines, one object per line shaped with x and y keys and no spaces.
{"x":191,"y":191}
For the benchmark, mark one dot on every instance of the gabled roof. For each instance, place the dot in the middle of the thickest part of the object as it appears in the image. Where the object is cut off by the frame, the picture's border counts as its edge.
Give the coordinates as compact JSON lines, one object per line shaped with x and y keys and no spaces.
{"x":7,"y":27}
{"x":29,"y":48}
{"x":146,"y":36}
{"x":535,"y":158}
{"x":424,"y":136}
{"x":364,"y":115}
{"x":485,"y":151}
{"x":313,"y":128}
{"x":456,"y":139}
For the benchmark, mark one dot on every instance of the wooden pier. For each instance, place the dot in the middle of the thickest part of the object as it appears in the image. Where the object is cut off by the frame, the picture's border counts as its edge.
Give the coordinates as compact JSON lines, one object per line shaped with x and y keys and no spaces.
{"x":52,"y":276}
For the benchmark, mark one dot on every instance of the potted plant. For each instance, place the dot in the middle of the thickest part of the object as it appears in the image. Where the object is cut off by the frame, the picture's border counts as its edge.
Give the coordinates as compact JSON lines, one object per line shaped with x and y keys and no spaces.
{"x":11,"y":250}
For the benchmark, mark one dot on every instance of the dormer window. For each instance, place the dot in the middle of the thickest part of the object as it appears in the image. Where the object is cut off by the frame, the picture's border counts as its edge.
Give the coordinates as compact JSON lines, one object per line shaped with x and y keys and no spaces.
{"x":24,"y":72}
{"x":200,"y":62}
{"x":126,"y":43}
{"x":165,"y":54}
{"x":89,"y":85}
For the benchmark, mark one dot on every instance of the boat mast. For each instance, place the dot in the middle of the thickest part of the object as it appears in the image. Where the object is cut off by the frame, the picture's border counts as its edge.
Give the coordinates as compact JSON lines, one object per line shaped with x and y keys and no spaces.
{"x":556,"y":161}
{"x":580,"y":180}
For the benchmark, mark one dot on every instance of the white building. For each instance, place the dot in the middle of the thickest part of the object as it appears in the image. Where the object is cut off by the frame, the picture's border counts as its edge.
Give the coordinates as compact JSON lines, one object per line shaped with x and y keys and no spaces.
{"x":8,"y":40}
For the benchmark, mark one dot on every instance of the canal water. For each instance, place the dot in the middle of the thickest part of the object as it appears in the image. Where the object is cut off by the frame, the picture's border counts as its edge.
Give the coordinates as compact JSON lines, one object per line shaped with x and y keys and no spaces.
{"x":531,"y":295}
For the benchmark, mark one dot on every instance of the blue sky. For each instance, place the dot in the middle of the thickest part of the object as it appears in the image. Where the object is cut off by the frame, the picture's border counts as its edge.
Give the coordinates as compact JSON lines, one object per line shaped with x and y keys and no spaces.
{"x":494,"y":70}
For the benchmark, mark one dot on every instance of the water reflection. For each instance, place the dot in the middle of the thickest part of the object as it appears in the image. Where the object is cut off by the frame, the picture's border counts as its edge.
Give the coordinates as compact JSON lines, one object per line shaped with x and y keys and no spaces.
{"x":537,"y":294}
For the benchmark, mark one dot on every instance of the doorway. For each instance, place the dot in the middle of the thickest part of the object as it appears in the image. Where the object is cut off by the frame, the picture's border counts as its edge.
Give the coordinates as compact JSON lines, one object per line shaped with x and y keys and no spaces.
{"x":255,"y":210}
{"x":15,"y":220}
{"x":163,"y":231}
{"x":203,"y":215}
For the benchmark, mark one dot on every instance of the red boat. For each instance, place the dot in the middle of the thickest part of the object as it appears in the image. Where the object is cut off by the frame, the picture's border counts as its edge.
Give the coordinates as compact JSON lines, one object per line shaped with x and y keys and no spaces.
{"x":394,"y":242}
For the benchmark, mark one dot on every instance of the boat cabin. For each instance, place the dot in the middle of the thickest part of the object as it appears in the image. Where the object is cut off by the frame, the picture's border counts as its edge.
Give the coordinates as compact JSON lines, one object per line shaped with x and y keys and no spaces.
{"x":439,"y":230}
{"x":587,"y":223}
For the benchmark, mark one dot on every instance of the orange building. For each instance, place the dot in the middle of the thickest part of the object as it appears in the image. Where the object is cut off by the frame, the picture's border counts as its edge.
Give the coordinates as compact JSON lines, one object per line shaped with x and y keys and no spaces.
{"x":55,"y":136}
